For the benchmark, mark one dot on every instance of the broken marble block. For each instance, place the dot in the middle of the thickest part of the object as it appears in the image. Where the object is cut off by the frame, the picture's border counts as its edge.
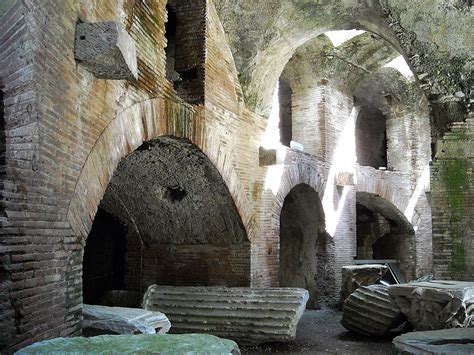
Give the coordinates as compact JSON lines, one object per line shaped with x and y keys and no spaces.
{"x":106,"y":50}
{"x":354,"y":276}
{"x":445,"y":341}
{"x":135,"y":344}
{"x":122,"y":320}
{"x":436,"y":304}
{"x":247,"y":315}
{"x":369,"y":310}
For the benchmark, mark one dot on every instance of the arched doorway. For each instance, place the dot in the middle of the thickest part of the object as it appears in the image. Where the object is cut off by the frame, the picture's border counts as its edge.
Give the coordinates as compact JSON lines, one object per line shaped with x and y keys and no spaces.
{"x":383,"y":233}
{"x":170,"y":219}
{"x":306,"y":250}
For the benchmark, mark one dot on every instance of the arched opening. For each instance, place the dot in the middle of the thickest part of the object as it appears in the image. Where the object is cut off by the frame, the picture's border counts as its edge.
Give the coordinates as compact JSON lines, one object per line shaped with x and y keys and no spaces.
{"x":306,"y":250}
{"x":166,"y":218}
{"x":383,"y":233}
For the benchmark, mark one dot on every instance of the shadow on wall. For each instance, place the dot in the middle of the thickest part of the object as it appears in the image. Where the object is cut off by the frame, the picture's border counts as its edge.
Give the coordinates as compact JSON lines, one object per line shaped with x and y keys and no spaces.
{"x":306,"y":249}
{"x":168,"y":218}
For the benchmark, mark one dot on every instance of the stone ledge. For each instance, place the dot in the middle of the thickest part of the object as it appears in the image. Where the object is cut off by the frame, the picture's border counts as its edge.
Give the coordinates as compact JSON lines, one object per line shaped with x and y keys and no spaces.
{"x":106,"y":50}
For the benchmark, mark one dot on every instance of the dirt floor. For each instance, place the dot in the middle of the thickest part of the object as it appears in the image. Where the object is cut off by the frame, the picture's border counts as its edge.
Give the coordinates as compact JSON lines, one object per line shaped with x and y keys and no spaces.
{"x":319,"y":332}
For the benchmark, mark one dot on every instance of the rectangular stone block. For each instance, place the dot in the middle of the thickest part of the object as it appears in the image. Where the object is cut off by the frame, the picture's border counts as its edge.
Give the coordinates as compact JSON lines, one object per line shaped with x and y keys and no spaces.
{"x":106,"y":50}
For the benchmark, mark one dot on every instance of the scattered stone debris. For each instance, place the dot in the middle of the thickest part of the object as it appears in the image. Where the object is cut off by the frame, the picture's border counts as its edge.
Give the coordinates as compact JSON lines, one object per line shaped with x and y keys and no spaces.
{"x":354,"y":276}
{"x":122,"y":320}
{"x":247,"y":315}
{"x":369,"y":310}
{"x":133,"y":344}
{"x":436,"y":304}
{"x":446,"y":341}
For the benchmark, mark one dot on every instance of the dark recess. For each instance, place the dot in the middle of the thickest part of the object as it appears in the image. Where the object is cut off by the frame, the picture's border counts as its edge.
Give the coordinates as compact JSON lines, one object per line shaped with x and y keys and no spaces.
{"x":104,"y":258}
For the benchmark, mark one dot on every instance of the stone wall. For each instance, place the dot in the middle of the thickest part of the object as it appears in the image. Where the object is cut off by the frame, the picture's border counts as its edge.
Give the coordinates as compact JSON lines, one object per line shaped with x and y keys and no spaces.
{"x":67,"y":131}
{"x":319,"y":117}
{"x":452,"y":191}
{"x":293,"y":168}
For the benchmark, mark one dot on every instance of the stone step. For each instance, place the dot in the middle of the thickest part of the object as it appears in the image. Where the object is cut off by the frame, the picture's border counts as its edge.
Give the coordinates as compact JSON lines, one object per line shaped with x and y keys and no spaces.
{"x":248,"y":315}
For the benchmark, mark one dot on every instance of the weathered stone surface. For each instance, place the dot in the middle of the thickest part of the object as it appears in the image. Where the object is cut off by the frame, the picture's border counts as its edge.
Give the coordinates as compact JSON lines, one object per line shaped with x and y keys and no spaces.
{"x":370,"y":311}
{"x":133,"y":344}
{"x":354,"y":276}
{"x":106,"y":50}
{"x":446,"y":341}
{"x":436,"y":304}
{"x":247,"y":315}
{"x":123,"y":320}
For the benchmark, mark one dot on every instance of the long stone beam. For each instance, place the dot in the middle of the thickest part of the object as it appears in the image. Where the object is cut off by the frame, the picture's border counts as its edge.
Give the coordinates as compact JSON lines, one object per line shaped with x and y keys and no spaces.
{"x":247,"y":315}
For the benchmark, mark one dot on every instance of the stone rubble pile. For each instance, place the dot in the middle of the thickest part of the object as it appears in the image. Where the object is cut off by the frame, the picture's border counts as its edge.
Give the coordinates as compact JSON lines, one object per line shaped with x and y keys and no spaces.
{"x":436,"y":304}
{"x":354,"y":276}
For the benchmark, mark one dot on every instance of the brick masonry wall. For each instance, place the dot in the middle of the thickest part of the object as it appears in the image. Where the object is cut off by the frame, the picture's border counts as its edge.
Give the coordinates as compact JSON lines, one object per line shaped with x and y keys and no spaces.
{"x":452,"y":194}
{"x":188,"y":265}
{"x":25,"y":264}
{"x":407,"y":137}
{"x":319,"y":116}
{"x":66,"y":131}
{"x":293,"y":169}
{"x":190,"y":48}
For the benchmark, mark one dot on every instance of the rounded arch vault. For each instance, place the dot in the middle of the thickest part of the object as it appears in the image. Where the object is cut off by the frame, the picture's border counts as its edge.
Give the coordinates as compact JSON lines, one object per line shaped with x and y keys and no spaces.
{"x":179,"y":223}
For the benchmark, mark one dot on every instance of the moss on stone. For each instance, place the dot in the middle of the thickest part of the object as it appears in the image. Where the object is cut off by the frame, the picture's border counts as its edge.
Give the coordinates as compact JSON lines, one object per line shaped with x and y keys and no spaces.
{"x":142,"y":344}
{"x":251,"y":98}
{"x":456,"y":178}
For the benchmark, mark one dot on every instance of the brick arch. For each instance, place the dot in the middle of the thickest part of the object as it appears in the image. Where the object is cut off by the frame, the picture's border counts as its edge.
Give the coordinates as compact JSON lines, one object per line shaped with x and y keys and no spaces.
{"x":395,"y":188}
{"x":297,"y":174}
{"x":125,"y":133}
{"x":139,"y":123}
{"x":265,"y":249}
